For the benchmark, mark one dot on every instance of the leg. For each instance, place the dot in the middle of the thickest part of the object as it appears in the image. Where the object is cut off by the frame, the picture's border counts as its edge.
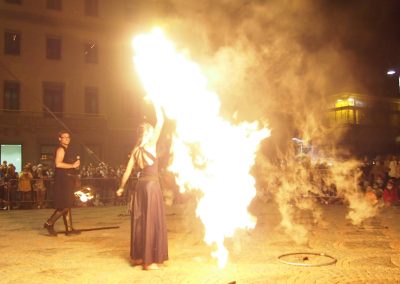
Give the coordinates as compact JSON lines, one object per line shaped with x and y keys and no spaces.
{"x":67,"y":218}
{"x":49,"y":225}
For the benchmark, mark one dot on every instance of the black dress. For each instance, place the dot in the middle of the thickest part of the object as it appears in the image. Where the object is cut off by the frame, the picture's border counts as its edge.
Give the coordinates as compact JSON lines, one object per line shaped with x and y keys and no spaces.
{"x":64,"y":183}
{"x":148,"y":227}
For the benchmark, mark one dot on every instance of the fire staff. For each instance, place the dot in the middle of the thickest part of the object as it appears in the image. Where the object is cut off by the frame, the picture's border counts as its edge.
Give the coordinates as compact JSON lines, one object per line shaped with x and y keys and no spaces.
{"x":64,"y":183}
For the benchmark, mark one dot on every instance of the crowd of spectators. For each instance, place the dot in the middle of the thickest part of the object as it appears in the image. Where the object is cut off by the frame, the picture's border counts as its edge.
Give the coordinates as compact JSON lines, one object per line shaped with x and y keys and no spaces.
{"x":379,"y":180}
{"x":32,"y":186}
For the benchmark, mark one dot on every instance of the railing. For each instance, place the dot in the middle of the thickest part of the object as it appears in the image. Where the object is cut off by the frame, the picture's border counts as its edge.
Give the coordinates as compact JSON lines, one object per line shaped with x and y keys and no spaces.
{"x":103,"y":189}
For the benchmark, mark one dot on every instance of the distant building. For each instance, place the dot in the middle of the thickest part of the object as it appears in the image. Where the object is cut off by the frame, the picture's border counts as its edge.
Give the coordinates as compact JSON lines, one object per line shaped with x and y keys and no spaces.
{"x":67,"y":63}
{"x":371,"y":123}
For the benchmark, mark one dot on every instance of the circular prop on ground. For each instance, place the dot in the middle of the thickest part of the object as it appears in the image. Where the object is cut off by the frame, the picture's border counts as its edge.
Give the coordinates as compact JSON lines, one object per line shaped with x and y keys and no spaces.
{"x":310,"y":259}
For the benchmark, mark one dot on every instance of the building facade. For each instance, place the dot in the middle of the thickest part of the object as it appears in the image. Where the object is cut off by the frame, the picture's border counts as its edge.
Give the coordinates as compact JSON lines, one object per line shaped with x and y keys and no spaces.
{"x":67,"y":65}
{"x":371,"y":124}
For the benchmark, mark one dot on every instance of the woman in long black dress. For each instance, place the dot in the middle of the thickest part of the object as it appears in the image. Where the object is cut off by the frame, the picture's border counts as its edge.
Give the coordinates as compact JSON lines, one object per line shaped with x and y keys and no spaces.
{"x":64,"y":182}
{"x":149,"y":244}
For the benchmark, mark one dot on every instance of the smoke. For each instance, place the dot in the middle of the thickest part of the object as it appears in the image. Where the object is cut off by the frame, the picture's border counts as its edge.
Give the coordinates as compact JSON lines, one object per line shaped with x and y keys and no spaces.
{"x":275,"y":61}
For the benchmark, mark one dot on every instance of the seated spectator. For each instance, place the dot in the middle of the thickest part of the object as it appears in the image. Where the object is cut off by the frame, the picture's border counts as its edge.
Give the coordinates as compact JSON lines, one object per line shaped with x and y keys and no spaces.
{"x":390,"y":196}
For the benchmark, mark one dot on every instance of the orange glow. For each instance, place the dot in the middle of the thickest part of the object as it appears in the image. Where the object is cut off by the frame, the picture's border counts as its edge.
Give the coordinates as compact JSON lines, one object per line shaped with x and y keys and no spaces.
{"x":210,"y":154}
{"x":84,"y":194}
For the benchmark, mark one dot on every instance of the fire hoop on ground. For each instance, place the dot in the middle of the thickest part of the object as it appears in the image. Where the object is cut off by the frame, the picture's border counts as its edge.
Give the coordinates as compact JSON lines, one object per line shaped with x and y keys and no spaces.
{"x":308,"y":259}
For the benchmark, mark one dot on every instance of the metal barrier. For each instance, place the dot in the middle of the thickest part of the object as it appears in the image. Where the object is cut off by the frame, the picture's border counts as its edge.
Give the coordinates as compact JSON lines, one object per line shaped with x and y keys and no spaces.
{"x":104,"y":189}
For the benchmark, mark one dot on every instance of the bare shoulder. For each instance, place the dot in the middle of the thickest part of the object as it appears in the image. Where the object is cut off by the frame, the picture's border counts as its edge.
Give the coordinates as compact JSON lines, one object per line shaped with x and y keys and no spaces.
{"x":60,"y":151}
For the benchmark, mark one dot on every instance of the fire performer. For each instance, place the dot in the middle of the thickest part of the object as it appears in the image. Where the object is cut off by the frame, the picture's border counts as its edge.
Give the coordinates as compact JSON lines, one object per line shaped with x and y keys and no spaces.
{"x":149,"y":244}
{"x":64,"y":183}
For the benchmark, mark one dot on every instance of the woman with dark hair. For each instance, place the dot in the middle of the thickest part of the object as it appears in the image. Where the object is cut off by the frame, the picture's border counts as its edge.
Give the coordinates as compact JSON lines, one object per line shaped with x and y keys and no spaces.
{"x":149,"y":244}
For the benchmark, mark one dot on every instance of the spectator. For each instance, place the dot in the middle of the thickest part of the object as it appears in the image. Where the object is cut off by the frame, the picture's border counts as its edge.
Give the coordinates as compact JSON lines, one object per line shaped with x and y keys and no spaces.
{"x":390,"y":196}
{"x":378,"y":172}
{"x":3,"y":195}
{"x":25,"y":187}
{"x":11,"y":179}
{"x":393,"y":168}
{"x":39,"y":186}
{"x":370,"y":196}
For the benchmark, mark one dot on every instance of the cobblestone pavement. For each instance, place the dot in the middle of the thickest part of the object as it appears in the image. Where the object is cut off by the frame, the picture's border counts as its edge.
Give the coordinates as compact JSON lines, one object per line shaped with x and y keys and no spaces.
{"x":365,"y":254}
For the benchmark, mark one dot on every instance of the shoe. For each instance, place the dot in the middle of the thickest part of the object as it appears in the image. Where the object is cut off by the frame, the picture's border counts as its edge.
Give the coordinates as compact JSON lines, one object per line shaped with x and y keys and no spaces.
{"x":50,"y":229}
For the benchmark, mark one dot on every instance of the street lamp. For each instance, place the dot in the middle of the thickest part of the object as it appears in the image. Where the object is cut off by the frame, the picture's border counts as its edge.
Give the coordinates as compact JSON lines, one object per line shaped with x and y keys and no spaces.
{"x":392,"y":72}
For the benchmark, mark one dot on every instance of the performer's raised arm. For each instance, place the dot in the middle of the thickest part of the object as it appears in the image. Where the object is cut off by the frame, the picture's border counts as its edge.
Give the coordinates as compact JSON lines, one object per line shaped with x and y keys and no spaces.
{"x":159,"y":125}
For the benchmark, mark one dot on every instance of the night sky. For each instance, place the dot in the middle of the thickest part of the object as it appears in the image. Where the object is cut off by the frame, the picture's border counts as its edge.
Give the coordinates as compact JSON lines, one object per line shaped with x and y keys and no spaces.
{"x":369,"y":30}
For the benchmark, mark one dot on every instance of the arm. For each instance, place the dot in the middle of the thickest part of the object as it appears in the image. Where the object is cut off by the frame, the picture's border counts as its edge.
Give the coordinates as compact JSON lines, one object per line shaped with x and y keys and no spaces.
{"x":59,"y":160}
{"x":159,"y":124}
{"x":126,"y":175}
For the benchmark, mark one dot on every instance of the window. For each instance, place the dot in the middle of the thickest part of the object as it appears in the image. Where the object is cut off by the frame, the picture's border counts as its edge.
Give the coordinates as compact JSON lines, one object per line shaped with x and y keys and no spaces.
{"x":90,"y":52}
{"x":91,"y":8}
{"x":11,"y":95}
{"x":54,"y":5}
{"x":53,"y":97}
{"x":19,"y":2}
{"x":91,"y":100}
{"x":12,"y":42}
{"x":53,"y":45}
{"x":47,"y":153}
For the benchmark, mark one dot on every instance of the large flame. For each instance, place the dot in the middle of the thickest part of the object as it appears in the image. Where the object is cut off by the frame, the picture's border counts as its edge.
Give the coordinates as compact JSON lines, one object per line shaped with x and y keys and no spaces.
{"x":210,"y":154}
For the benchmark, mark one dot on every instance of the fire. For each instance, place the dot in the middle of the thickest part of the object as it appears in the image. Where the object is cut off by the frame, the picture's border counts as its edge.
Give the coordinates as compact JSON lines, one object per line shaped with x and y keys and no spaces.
{"x":210,"y":153}
{"x":84,"y":194}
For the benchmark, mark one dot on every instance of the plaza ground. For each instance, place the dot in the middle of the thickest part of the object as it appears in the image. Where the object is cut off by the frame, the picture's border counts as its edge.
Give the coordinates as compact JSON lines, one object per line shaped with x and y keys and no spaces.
{"x":369,"y":253}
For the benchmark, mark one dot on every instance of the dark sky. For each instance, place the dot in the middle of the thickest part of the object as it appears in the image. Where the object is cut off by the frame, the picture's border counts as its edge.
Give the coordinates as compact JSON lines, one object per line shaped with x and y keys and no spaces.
{"x":369,"y":30}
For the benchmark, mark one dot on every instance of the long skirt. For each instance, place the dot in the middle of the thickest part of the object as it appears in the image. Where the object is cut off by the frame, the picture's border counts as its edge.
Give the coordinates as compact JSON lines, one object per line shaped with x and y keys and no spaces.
{"x":148,"y":227}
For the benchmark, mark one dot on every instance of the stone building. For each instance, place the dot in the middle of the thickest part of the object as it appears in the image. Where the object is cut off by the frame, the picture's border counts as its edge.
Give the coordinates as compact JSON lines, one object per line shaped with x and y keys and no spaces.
{"x":67,"y":64}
